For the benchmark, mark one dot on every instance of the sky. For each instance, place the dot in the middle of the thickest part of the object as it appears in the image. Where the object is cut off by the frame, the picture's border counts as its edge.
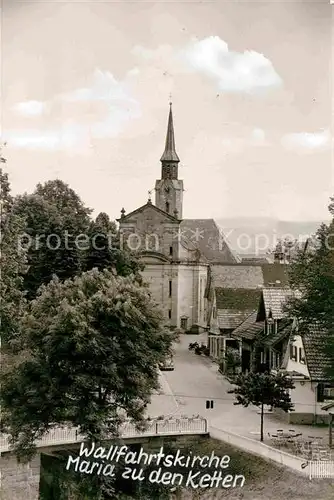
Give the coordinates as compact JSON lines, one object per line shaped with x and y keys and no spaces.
{"x":85,"y":93}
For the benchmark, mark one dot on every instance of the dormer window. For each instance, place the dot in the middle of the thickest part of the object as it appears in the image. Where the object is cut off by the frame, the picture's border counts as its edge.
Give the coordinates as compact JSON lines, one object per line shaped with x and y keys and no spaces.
{"x":301,"y":356}
{"x":270,"y":323}
{"x":293,"y":352}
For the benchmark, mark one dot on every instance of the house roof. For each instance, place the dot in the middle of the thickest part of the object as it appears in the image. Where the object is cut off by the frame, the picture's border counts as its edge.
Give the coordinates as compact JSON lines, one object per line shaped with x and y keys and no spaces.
{"x":275,"y":298}
{"x":294,"y":373}
{"x":237,"y":276}
{"x":237,"y":299}
{"x":249,"y":275}
{"x":249,"y":328}
{"x":231,"y":318}
{"x":284,"y":329}
{"x":235,"y":305}
{"x":314,"y":341}
{"x":255,"y":260}
{"x":205,"y":235}
{"x":275,"y":273}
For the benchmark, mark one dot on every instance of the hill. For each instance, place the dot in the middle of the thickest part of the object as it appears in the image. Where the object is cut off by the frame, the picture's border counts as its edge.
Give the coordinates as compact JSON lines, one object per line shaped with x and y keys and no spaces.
{"x":255,"y":235}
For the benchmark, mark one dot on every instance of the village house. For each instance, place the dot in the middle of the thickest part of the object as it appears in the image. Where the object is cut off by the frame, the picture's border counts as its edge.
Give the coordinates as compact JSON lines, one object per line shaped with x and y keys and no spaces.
{"x":234,"y":298}
{"x":247,"y":333}
{"x":306,"y":362}
{"x":277,"y":343}
{"x":271,"y":311}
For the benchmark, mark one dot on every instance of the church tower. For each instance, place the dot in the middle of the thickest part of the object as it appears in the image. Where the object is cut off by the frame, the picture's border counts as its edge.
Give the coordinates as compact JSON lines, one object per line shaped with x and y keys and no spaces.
{"x":169,"y":189}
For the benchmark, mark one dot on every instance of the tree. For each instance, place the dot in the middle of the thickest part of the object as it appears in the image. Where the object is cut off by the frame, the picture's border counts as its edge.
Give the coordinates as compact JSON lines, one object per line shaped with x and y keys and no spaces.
{"x":66,"y":200}
{"x":12,"y":264}
{"x":56,"y":219}
{"x":312,"y":273}
{"x":62,"y":240}
{"x":94,"y":344}
{"x":261,"y":389}
{"x":331,"y":206}
{"x":105,"y":251}
{"x":231,"y":361}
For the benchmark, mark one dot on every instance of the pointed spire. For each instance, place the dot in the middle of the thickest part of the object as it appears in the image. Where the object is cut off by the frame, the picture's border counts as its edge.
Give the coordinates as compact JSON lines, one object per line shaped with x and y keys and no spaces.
{"x":170,"y":153}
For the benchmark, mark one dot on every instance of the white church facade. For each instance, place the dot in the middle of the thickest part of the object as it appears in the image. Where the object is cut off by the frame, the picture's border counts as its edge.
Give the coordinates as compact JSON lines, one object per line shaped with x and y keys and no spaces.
{"x":177,"y":253}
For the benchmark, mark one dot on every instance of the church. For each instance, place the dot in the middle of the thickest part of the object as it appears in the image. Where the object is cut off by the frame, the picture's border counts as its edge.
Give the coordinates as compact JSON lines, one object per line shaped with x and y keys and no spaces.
{"x":183,"y":257}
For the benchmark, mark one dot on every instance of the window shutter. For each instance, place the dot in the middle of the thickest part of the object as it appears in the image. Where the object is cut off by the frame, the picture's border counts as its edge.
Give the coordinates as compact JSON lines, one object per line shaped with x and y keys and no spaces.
{"x":320,"y":393}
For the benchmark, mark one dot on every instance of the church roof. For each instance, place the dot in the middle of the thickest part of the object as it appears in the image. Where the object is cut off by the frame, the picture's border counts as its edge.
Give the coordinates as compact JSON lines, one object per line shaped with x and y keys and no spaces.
{"x":142,"y":208}
{"x":170,"y":154}
{"x":208,"y":239}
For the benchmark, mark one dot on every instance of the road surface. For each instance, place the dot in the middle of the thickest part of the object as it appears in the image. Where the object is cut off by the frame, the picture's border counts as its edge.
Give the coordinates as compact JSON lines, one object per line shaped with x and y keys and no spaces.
{"x":196,"y":380}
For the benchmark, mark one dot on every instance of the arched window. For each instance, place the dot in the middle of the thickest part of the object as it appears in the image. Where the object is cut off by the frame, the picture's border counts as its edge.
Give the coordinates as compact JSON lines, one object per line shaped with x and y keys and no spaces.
{"x":167,"y":206}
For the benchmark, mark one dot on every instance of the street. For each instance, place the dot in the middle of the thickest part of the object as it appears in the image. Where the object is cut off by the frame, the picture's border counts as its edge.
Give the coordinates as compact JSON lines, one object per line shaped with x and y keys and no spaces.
{"x":195,"y":380}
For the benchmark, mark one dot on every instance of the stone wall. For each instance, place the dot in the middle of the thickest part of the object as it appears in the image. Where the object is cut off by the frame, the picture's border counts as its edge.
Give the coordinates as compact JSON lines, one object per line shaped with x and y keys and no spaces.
{"x":21,"y":482}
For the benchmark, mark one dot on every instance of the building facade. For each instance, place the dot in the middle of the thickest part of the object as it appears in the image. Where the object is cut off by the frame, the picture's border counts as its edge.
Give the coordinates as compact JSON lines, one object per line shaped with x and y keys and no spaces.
{"x":176,"y":252}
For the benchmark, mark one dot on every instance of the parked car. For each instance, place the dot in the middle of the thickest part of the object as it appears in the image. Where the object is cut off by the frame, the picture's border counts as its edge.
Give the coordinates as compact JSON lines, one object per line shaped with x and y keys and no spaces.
{"x":167,"y":365}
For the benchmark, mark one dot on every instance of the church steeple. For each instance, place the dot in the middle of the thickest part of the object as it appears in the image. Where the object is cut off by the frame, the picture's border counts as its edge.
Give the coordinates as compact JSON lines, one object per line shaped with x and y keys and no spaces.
{"x":170,"y":154}
{"x":169,"y":189}
{"x":169,"y":159}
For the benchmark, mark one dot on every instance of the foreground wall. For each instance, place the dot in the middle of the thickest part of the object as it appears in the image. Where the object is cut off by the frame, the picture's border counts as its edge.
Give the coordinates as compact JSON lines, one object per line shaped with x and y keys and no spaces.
{"x":19,"y":482}
{"x":297,"y":464}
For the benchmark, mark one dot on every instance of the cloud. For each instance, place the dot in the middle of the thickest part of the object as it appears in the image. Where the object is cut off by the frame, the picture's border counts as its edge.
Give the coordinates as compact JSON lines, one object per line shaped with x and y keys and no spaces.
{"x":119,"y":108}
{"x":133,"y":72}
{"x":258,"y":136}
{"x":235,"y":72}
{"x":67,"y":137}
{"x":163,"y":53}
{"x":307,"y":141}
{"x":30,"y":108}
{"x":104,"y":87}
